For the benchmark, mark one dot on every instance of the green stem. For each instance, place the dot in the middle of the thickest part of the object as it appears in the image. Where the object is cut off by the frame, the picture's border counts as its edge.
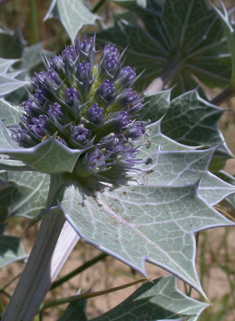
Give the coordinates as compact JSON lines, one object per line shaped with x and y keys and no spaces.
{"x":6,"y":294}
{"x":222,"y":97}
{"x":197,"y":239}
{"x":79,"y":270}
{"x":34,"y":25}
{"x":85,"y":296}
{"x":187,"y":289}
{"x":203,"y":259}
{"x":40,"y":315}
{"x":97,"y":6}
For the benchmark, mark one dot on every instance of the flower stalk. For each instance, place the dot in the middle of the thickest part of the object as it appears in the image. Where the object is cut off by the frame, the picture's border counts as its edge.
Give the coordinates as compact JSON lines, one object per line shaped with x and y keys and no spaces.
{"x":224,"y":96}
{"x":24,"y":302}
{"x":42,"y":268}
{"x":55,"y":241}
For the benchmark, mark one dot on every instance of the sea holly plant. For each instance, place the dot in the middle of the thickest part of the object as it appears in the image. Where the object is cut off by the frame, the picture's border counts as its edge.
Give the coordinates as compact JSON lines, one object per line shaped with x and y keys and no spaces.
{"x":127,"y":173}
{"x":113,"y":177}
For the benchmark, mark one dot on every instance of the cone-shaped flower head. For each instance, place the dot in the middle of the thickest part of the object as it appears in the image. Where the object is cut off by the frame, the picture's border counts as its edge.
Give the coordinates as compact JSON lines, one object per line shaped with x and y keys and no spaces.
{"x":87,"y":106}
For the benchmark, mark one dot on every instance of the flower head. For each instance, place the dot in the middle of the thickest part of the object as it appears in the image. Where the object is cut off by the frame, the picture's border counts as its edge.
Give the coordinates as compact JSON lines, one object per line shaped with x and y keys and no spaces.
{"x":87,"y":106}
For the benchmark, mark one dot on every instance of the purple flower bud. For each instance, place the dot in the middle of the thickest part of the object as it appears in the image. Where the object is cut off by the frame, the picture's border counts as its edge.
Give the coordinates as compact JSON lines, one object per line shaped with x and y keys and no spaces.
{"x":127,"y":76}
{"x":56,"y":111}
{"x":72,"y":94}
{"x":41,"y":95}
{"x":95,"y":114}
{"x":69,"y":53}
{"x":134,"y":109}
{"x":56,"y":63}
{"x":40,"y":78}
{"x":129,"y":97}
{"x":84,"y":72}
{"x":119,"y":120}
{"x":107,"y":90}
{"x":111,"y":64}
{"x":31,"y":108}
{"x":123,"y":119}
{"x":83,"y":46}
{"x":111,"y":50}
{"x":53,"y":77}
{"x":109,"y":141}
{"x":43,"y":78}
{"x":22,"y":136}
{"x":40,"y":126}
{"x":136,"y":130}
{"x":80,"y":134}
{"x":111,"y":61}
{"x":95,"y":161}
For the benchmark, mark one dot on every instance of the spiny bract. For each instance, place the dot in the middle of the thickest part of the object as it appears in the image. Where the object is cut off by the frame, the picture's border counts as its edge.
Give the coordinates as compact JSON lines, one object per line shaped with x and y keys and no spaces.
{"x":88,"y":106}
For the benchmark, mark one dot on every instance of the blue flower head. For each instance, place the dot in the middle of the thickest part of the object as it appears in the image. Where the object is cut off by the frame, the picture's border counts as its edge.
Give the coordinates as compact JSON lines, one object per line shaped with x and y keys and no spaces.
{"x":88,"y":106}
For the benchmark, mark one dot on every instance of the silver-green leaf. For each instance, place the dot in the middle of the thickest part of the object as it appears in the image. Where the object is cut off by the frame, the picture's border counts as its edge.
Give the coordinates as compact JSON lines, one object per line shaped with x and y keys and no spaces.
{"x":144,"y":223}
{"x":157,"y":301}
{"x":73,"y":14}
{"x":156,"y":216}
{"x":8,"y":84}
{"x":29,"y":194}
{"x":5,"y":64}
{"x":49,"y":157}
{"x":183,"y":39}
{"x":188,"y":119}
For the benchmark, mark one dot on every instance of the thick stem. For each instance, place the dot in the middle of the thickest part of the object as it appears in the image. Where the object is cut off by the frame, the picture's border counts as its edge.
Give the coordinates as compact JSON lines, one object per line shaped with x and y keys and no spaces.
{"x":97,"y":6}
{"x":55,"y":241}
{"x":222,"y":97}
{"x":34,"y":30}
{"x":22,"y":305}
